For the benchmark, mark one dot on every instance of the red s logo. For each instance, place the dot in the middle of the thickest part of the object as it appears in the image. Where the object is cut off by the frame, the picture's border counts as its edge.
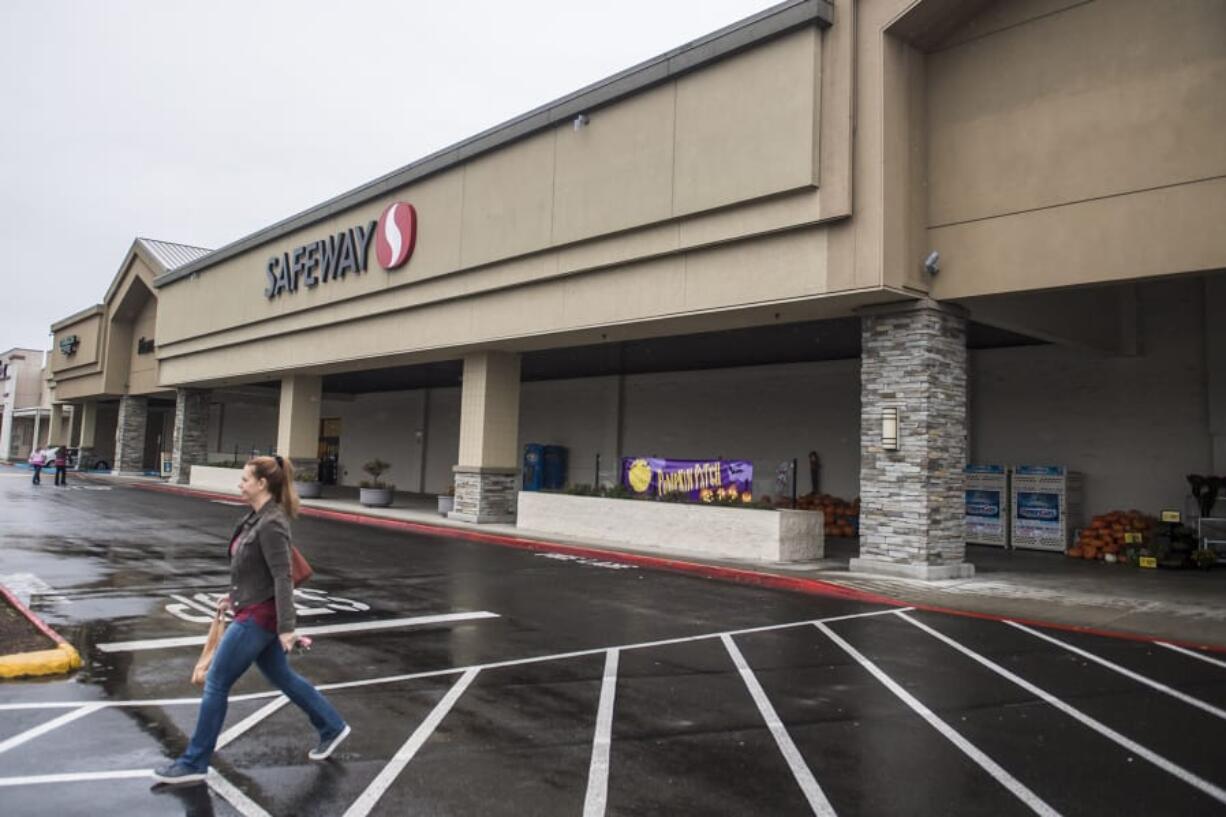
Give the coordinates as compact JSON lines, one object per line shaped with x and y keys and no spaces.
{"x":396,"y":235}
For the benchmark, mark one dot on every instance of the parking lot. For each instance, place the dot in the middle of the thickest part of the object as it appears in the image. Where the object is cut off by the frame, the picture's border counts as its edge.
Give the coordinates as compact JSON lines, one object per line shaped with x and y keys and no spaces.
{"x":483,"y":680}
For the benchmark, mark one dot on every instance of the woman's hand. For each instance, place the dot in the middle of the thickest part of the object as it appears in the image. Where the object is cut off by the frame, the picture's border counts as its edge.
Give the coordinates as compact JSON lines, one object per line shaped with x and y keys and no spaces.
{"x":223,"y":603}
{"x":287,"y":641}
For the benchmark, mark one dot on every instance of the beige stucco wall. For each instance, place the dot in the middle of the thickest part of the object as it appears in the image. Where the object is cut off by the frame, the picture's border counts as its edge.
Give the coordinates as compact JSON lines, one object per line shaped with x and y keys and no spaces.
{"x":1071,"y":143}
{"x":616,"y":223}
{"x":143,"y":369}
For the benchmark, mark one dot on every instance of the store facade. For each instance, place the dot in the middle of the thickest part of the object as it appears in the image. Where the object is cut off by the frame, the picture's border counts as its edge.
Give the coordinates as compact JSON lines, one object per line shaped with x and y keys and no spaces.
{"x":107,"y":402}
{"x":902,"y":235}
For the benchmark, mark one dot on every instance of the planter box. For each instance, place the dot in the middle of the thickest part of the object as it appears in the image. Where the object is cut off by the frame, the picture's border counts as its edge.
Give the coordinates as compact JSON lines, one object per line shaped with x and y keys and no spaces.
{"x":446,"y":503}
{"x":375,"y":497}
{"x":213,"y":478}
{"x":309,"y":490}
{"x":668,"y":527}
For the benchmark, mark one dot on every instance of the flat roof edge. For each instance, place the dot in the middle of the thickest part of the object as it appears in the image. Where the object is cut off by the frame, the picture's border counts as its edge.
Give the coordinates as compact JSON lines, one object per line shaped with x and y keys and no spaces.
{"x":71,"y":319}
{"x":725,"y":42}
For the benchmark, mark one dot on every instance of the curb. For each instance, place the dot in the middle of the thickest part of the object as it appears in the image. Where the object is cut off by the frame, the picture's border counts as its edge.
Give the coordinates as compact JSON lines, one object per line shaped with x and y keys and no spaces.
{"x":63,"y":658}
{"x":816,"y":587}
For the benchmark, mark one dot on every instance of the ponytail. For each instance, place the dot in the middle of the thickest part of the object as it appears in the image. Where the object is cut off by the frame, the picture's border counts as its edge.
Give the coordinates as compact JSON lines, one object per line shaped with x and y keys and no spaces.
{"x":278,"y":472}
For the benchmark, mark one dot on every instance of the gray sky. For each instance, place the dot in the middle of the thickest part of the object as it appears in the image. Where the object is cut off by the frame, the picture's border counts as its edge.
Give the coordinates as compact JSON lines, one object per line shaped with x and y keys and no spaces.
{"x":203,"y":122}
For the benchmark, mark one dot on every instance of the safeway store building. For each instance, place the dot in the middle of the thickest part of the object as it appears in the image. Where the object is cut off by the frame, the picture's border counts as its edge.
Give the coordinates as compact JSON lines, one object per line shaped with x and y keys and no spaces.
{"x":907,"y":236}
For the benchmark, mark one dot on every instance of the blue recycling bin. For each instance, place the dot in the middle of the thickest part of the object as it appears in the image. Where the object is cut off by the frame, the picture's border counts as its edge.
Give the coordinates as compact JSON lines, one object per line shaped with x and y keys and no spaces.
{"x":534,"y":472}
{"x":554,"y":460}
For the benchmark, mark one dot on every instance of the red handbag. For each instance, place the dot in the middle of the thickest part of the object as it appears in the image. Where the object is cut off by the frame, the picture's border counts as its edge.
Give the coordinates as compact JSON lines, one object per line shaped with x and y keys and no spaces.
{"x":300,"y":571}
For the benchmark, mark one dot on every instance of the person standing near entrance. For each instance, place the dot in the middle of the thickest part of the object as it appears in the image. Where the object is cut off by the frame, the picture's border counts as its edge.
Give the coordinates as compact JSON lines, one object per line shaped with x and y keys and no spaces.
{"x":61,"y":466}
{"x":262,"y":597}
{"x":37,"y":460}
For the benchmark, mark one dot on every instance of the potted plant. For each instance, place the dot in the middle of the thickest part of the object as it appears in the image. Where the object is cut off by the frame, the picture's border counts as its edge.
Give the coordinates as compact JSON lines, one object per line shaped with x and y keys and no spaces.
{"x":375,"y":493}
{"x":1204,"y":558}
{"x":446,"y":501}
{"x":307,"y":482}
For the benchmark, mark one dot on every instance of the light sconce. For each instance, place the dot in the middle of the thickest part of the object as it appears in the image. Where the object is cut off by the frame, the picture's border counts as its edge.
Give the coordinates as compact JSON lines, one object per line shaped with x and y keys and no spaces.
{"x":889,"y":428}
{"x":581,"y":121}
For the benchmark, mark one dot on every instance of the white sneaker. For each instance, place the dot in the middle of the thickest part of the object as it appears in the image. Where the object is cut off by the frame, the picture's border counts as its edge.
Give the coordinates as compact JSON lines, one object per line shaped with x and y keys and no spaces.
{"x":326,"y":747}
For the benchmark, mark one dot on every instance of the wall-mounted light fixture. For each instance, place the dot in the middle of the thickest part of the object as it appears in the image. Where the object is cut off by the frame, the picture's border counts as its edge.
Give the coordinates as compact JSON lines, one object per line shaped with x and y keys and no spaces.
{"x":581,"y":121}
{"x":889,"y":428}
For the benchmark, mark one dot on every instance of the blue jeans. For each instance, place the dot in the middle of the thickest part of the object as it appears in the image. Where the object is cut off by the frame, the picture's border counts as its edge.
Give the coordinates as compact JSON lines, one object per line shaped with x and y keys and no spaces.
{"x":246,"y":642}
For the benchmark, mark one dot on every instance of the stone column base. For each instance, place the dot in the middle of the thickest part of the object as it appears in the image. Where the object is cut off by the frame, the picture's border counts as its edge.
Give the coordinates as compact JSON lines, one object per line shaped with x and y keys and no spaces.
{"x":85,"y":459}
{"x":914,"y":570}
{"x":484,"y":494}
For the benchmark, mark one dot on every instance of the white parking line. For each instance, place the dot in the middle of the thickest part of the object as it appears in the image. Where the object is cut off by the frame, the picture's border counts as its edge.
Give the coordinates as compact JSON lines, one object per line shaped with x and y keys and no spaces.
{"x":393,"y":679}
{"x":366,"y":801}
{"x":74,"y":777}
{"x":804,"y":775}
{"x":1019,"y":790}
{"x":248,"y":723}
{"x":1215,"y":661}
{"x":232,"y":795}
{"x":44,"y":728}
{"x":1131,"y":745}
{"x":326,"y":629}
{"x":594,"y":803}
{"x":1127,"y":673}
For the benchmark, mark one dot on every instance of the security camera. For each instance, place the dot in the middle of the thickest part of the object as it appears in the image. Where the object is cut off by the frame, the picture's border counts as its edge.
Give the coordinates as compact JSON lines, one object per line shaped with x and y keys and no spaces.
{"x":932,"y":264}
{"x":581,"y":120}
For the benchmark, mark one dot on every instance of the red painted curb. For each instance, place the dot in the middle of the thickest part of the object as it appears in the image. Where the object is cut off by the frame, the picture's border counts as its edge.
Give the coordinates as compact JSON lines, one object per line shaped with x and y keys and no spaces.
{"x":29,"y":614}
{"x":816,"y":587}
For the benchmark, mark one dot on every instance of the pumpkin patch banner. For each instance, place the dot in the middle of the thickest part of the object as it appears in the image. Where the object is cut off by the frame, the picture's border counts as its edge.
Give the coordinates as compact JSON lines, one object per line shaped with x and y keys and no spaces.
{"x":698,"y":480}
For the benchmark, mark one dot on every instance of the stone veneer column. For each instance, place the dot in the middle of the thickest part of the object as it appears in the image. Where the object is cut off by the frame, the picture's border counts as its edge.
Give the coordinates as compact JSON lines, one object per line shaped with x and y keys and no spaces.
{"x":130,"y":435}
{"x":191,"y":433}
{"x":489,"y":439}
{"x":88,"y":432}
{"x":912,"y":500}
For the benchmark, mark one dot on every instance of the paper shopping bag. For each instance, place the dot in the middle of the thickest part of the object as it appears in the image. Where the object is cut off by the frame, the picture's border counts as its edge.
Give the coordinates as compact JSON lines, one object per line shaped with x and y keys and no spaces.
{"x":216,"y":629}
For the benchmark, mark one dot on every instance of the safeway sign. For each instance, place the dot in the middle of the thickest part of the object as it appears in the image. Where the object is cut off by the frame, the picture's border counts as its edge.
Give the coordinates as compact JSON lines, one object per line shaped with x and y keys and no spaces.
{"x":334,"y":257}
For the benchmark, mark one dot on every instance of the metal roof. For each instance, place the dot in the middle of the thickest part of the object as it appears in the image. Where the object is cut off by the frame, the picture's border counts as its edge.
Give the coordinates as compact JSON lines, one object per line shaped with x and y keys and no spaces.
{"x":172,"y":256}
{"x":772,"y":22}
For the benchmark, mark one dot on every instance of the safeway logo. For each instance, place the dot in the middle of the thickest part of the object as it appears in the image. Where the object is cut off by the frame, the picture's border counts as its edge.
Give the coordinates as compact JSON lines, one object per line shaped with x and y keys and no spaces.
{"x":396,"y":235}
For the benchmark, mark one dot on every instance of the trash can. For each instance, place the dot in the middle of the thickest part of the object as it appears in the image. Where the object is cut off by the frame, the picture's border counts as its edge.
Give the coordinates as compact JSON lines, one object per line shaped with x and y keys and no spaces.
{"x":533,"y":475}
{"x":554,"y":459}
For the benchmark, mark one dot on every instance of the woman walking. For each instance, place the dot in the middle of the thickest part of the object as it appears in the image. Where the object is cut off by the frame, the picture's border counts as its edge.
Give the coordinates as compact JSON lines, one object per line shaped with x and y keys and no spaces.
{"x":61,"y":466}
{"x":261,"y":595}
{"x":37,"y":460}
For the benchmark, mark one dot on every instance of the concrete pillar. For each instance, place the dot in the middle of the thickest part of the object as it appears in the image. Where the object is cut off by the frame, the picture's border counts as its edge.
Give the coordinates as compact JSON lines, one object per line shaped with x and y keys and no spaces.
{"x":6,"y":428}
{"x":298,"y":420}
{"x":190,"y":446}
{"x":130,"y":435}
{"x":55,"y":426}
{"x":912,"y":499}
{"x":489,"y":439}
{"x":74,"y":433}
{"x":38,"y":427}
{"x":88,"y":432}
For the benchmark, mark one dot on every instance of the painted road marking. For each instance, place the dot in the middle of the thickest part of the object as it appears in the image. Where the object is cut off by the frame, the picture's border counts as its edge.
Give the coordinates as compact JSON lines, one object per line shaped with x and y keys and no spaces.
{"x":74,"y":777}
{"x":366,"y":801}
{"x":44,"y":728}
{"x":584,"y":560}
{"x":514,"y":662}
{"x":232,"y":795}
{"x":198,"y":609}
{"x":327,"y":629}
{"x":1140,"y":679}
{"x":1019,"y":790}
{"x":250,"y":722}
{"x":1131,"y":745}
{"x":1193,"y":653}
{"x":598,"y":773}
{"x":804,"y":775}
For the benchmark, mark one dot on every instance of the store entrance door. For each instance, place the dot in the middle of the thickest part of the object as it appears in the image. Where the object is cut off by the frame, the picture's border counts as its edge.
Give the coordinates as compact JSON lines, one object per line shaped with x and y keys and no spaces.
{"x":329,"y":450}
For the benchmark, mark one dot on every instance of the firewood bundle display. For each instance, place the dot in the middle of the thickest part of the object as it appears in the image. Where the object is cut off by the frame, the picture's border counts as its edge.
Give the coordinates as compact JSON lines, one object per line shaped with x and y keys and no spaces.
{"x":1109,"y":535}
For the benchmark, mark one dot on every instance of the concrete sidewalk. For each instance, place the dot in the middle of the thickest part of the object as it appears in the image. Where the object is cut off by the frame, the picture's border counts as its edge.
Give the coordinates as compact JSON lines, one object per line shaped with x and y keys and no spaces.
{"x":1182,"y":605}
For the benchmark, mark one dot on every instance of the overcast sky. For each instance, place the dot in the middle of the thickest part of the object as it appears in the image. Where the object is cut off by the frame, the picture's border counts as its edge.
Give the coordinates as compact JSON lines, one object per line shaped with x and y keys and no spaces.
{"x":200,"y":123}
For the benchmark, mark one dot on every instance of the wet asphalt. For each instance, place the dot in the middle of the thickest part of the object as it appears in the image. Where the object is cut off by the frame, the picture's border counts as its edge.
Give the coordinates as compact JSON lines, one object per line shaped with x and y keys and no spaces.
{"x":505,"y":709}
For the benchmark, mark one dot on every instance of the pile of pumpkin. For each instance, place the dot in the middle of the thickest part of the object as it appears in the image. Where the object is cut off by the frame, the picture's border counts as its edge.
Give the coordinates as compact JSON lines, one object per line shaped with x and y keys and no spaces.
{"x":840,"y":515}
{"x":1105,"y":536}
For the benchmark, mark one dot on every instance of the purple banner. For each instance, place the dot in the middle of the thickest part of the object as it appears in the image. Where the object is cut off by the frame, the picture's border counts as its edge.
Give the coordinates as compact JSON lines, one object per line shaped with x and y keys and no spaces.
{"x":699,"y":480}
